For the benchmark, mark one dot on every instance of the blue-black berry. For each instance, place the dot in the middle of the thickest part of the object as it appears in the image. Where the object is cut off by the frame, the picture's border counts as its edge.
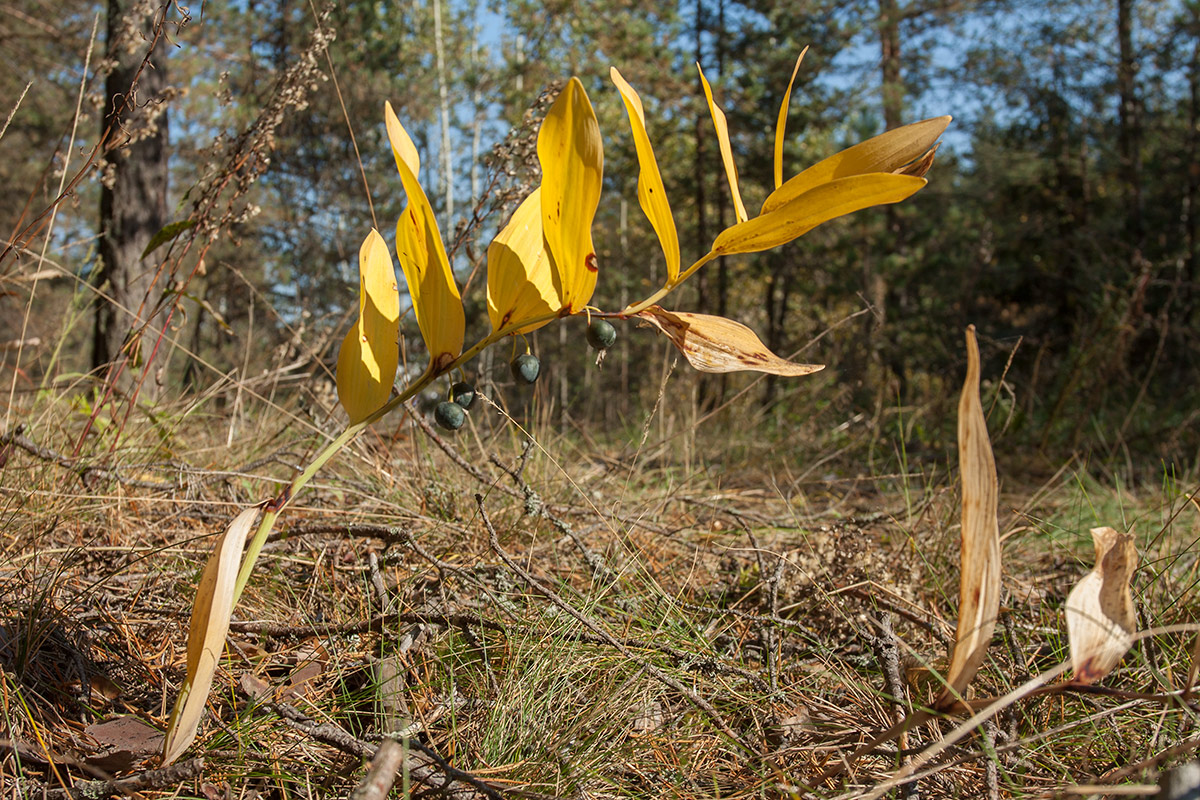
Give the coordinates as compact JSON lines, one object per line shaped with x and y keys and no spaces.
{"x":526,"y":367}
{"x":601,"y":335}
{"x":464,"y":394}
{"x":450,"y":416}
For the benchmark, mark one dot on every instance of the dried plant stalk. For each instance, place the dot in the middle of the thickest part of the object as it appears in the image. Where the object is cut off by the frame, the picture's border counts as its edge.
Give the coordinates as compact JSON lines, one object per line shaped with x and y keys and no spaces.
{"x":979,"y":584}
{"x":206,"y":634}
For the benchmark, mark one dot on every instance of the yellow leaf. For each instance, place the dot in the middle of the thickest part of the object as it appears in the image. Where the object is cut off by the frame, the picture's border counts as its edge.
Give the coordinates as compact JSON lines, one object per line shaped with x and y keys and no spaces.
{"x":722,"y":128}
{"x":520,"y":283}
{"x":651,"y":194}
{"x":1100,"y":614}
{"x":717,"y":344}
{"x":572,"y":158}
{"x":887,"y":152}
{"x":370,"y":353}
{"x":403,"y":149}
{"x":206,"y":633}
{"x":818,"y":205}
{"x":435,"y":297}
{"x":979,"y":579}
{"x":781,"y":123}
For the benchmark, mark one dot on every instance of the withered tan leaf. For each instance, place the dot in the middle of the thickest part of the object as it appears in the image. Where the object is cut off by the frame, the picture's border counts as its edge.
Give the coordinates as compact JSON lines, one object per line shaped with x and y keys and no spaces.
{"x":1100,"y":615}
{"x":206,"y":633}
{"x":717,"y":344}
{"x":921,"y":166}
{"x":979,"y":583}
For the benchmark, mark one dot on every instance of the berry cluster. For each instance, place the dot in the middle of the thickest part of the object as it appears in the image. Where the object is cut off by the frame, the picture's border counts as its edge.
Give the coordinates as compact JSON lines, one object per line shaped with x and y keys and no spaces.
{"x":451,"y":414}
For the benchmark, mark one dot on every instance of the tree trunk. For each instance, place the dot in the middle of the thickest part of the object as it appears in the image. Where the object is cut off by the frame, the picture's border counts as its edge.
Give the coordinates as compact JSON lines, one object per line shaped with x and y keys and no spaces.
{"x":768,"y":395}
{"x":777,"y":298}
{"x":133,"y":196}
{"x":714,"y":388}
{"x":722,"y":201}
{"x":889,"y":63}
{"x":875,"y":283}
{"x":701,"y":172}
{"x":444,"y":117}
{"x":477,"y":106}
{"x":1129,"y":133}
{"x":1193,"y":170}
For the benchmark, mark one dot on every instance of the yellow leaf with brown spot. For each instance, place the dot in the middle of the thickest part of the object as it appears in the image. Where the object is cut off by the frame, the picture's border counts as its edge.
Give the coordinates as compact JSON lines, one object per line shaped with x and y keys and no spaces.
{"x":571,"y":155}
{"x":435,"y":297}
{"x":717,"y":344}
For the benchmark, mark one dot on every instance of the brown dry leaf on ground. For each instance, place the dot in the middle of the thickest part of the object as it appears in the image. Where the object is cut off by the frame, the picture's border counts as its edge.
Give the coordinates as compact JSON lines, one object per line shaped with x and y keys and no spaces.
{"x":1100,"y":615}
{"x":717,"y":344}
{"x":979,"y":588}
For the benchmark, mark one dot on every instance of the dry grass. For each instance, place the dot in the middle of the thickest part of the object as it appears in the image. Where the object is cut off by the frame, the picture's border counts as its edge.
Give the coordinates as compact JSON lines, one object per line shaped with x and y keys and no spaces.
{"x":745,"y":603}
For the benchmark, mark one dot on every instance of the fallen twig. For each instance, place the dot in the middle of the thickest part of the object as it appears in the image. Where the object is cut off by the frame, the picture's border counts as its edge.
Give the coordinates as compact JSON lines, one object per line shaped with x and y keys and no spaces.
{"x":388,"y":760}
{"x":422,"y":763}
{"x":375,"y":623}
{"x":171,"y":775}
{"x":86,"y":473}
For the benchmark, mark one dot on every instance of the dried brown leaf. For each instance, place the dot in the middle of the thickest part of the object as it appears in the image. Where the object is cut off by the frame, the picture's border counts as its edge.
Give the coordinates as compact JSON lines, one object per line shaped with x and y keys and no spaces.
{"x":717,"y":344}
{"x":1100,"y":616}
{"x":122,"y":741}
{"x":206,"y":633}
{"x":979,"y":583}
{"x":921,"y":166}
{"x":255,"y":687}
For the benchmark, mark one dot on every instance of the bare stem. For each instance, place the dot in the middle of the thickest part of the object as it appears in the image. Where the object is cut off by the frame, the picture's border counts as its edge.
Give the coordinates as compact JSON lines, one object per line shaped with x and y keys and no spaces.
{"x":276,"y":505}
{"x":634,"y":309}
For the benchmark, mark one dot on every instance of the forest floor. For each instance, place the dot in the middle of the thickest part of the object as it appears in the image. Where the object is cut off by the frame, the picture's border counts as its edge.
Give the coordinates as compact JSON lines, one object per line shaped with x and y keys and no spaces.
{"x":694,"y":615}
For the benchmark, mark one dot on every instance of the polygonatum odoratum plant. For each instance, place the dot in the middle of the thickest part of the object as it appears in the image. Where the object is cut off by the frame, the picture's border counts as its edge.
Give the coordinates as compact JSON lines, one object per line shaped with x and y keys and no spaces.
{"x":542,"y":266}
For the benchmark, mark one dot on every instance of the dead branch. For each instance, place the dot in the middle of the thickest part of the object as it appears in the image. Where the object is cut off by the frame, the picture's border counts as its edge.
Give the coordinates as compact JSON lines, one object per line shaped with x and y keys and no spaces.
{"x":422,"y":763}
{"x":172,"y":775}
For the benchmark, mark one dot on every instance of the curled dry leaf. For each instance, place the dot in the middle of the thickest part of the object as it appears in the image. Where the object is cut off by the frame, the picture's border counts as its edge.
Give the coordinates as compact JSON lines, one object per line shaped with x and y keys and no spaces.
{"x":919,"y":168}
{"x":979,"y":583}
{"x":717,"y":344}
{"x":1100,"y":616}
{"x":206,"y":633}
